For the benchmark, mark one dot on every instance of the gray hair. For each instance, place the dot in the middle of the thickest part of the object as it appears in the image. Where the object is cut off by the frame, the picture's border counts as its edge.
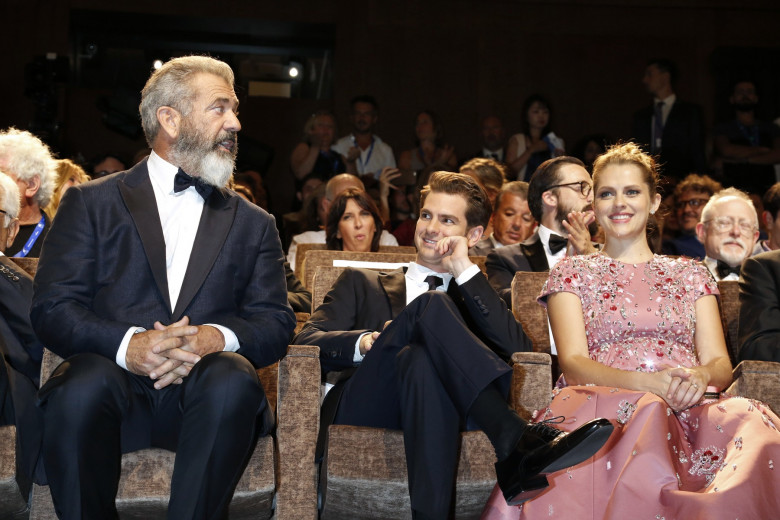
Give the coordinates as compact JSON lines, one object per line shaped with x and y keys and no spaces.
{"x":728,"y":193}
{"x":9,"y":199}
{"x":171,"y":86}
{"x":26,"y":157}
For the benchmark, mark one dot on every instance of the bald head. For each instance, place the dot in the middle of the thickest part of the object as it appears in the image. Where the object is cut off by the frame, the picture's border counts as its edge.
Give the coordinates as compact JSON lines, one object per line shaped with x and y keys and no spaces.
{"x":341,"y":183}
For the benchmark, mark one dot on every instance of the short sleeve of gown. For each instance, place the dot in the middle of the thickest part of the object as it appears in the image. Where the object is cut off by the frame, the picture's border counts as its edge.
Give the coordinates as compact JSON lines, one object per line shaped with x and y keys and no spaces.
{"x":566,"y":276}
{"x":700,"y":280}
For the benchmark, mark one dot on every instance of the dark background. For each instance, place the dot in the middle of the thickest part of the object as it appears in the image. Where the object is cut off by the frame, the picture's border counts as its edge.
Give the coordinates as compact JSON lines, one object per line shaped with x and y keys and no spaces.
{"x":460,"y":58}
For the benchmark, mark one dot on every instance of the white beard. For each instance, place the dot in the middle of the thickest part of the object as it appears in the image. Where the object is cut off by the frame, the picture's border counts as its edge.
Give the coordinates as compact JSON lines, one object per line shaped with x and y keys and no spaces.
{"x":198,"y":157}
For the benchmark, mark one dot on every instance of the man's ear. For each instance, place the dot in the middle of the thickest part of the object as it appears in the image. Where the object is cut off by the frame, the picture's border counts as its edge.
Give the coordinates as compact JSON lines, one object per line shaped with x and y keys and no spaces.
{"x":767,"y":219}
{"x":700,"y":232}
{"x":170,"y":121}
{"x":13,"y":229}
{"x":33,"y":185}
{"x":474,"y":234}
{"x":549,"y":198}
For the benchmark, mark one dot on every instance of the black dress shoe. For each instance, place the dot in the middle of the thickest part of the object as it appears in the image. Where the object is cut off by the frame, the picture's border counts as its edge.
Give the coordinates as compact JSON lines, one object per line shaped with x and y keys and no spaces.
{"x":542,"y":450}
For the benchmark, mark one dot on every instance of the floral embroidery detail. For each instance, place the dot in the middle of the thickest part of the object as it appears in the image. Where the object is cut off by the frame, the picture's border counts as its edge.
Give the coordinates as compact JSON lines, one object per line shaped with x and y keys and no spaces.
{"x":706,"y":462}
{"x":771,"y":464}
{"x":738,"y":443}
{"x":625,"y":411}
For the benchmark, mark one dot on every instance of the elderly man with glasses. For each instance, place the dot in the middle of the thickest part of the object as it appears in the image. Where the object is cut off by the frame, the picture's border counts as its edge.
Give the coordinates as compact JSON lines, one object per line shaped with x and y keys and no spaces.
{"x":728,"y":230}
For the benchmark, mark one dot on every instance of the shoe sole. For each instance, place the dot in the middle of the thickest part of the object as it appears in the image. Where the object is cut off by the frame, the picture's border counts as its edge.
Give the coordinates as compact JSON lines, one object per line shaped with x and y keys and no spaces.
{"x":584,"y":450}
{"x":530,"y":489}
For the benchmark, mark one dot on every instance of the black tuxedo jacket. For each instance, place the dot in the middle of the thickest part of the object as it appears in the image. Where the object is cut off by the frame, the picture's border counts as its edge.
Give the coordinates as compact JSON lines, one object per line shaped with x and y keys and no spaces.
{"x":21,"y":359}
{"x":682,"y":146}
{"x":759,"y":311}
{"x":504,"y":262}
{"x":102,"y":270}
{"x":362,"y":300}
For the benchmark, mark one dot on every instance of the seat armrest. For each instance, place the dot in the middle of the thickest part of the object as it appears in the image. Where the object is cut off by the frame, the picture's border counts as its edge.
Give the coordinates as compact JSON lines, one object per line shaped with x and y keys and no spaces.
{"x":759,"y":380}
{"x":297,"y":425}
{"x":531,"y":389}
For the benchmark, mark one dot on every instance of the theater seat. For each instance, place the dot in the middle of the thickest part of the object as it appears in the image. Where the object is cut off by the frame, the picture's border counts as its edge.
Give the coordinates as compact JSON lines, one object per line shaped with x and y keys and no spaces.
{"x":280,"y":477}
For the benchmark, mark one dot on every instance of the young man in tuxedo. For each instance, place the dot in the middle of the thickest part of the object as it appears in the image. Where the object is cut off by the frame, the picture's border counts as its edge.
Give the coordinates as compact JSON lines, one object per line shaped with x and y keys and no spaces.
{"x":428,"y":346}
{"x":164,"y":292}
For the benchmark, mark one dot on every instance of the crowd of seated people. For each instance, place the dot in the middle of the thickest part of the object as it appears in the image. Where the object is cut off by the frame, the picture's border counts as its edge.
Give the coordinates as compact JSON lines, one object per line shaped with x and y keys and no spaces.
{"x":590,"y":232}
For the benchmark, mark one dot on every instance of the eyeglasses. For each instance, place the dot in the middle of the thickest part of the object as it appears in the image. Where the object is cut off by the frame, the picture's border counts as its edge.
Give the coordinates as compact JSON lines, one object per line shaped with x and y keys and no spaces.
{"x":723,"y":224}
{"x":4,"y":212}
{"x":585,"y":187}
{"x":694,"y":203}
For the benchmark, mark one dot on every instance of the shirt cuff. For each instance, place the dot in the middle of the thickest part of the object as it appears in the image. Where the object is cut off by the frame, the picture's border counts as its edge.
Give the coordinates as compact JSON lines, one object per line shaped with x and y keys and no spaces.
{"x":467,"y":275}
{"x":357,"y":357}
{"x":121,"y":352}
{"x":231,"y":341}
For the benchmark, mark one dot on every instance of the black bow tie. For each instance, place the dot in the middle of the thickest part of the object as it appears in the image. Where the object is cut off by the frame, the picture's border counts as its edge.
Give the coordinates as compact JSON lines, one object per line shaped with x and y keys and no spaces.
{"x":556,"y":243}
{"x":725,"y":269}
{"x":182,"y":181}
{"x":433,"y":281}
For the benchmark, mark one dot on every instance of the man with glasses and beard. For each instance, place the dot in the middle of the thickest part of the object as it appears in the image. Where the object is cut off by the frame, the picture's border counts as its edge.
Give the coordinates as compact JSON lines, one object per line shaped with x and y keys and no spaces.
{"x":560,"y":196}
{"x":164,"y":292}
{"x":728,"y":230}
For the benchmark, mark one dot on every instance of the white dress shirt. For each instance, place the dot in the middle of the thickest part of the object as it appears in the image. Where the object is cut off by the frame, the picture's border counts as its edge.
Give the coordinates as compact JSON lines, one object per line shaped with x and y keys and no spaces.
{"x":179,"y":216}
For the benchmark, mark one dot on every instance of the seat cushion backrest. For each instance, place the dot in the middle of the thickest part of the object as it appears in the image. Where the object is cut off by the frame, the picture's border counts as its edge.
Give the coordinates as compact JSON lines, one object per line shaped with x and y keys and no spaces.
{"x":526,"y":286}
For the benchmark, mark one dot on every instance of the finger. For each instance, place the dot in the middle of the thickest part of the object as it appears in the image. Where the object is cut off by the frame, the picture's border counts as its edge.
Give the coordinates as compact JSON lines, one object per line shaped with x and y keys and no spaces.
{"x":163,"y":368}
{"x":673,"y":386}
{"x":165,"y":380}
{"x":159,"y":326}
{"x":182,"y":355}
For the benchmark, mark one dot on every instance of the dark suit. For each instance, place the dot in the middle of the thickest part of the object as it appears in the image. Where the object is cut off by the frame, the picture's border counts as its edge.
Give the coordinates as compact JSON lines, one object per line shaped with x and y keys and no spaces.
{"x":20,"y":368}
{"x":682,"y":145}
{"x":482,"y":248}
{"x":102,"y":271}
{"x":425,"y":369}
{"x":504,"y":262}
{"x":759,"y":311}
{"x":297,"y":295}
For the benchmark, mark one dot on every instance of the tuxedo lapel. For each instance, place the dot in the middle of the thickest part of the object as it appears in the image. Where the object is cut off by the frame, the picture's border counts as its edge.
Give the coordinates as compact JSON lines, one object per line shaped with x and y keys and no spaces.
{"x":215,"y":223}
{"x":534,"y":252}
{"x":136,"y":190}
{"x":394,"y":284}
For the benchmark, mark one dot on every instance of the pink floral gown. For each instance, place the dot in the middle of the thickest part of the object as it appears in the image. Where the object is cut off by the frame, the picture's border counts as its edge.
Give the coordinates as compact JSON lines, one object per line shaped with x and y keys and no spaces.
{"x":713,"y":461}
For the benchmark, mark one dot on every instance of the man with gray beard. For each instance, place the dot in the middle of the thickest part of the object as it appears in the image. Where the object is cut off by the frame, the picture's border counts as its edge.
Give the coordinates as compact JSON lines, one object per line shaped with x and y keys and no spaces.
{"x":729,"y":230}
{"x":164,"y":292}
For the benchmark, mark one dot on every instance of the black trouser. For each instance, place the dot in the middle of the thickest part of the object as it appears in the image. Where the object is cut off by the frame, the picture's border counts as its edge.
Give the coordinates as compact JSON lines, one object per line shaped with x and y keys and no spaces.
{"x":94,"y":411}
{"x":422,"y":375}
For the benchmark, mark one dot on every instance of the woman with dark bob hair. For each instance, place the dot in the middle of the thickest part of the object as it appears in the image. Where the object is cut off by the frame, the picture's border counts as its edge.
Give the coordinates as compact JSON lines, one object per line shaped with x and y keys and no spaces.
{"x":354,"y":223}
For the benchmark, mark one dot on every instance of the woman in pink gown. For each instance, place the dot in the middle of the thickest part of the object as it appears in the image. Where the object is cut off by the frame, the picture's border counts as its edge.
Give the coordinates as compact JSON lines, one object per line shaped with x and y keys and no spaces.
{"x":640,"y":342}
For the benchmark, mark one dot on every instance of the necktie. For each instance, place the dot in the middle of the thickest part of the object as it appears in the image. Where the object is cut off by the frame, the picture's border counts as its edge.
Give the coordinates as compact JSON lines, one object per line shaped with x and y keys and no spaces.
{"x":182,"y":181}
{"x":557,"y":243}
{"x":725,"y":269}
{"x":658,"y":126}
{"x":433,"y":281}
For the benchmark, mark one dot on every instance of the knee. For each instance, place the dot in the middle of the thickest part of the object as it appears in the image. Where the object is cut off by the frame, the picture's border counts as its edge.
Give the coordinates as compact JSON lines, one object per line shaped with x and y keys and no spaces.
{"x":224,"y":375}
{"x":84,"y":383}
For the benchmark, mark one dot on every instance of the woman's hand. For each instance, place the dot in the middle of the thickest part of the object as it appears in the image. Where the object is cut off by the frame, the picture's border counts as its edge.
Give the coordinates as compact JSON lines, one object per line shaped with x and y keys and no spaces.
{"x":684,"y":387}
{"x":535,"y":147}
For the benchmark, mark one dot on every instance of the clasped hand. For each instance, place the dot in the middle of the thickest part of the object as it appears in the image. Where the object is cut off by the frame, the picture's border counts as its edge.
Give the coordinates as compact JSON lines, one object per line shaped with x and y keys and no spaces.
{"x":168,"y":353}
{"x":685,"y":387}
